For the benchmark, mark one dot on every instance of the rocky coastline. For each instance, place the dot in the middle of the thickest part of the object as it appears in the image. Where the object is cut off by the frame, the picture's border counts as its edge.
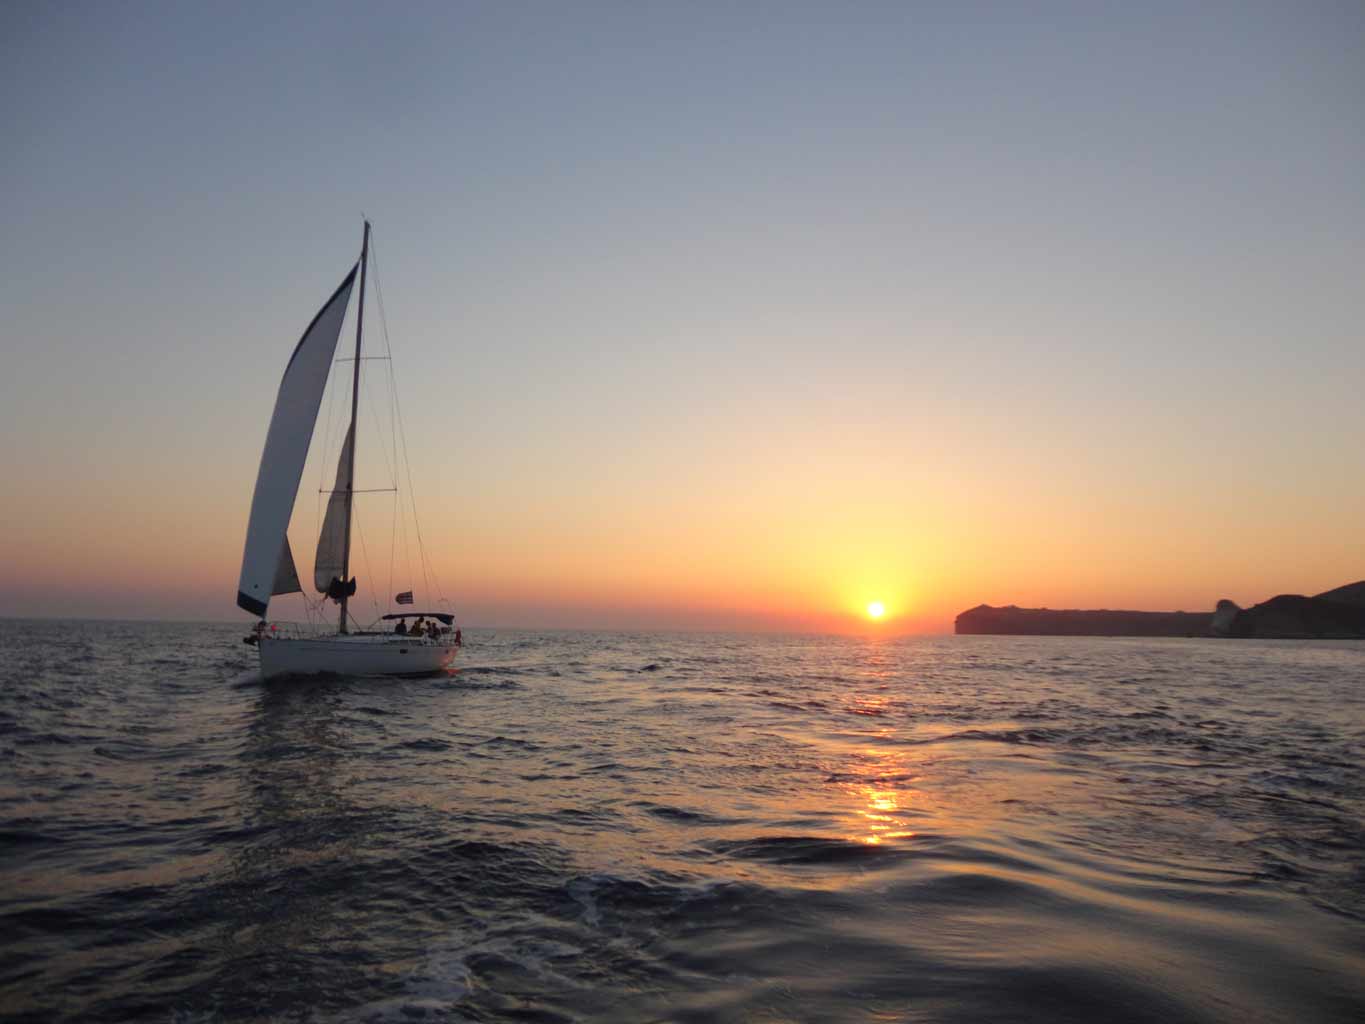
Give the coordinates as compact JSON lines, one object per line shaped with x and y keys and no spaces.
{"x":1335,"y":614}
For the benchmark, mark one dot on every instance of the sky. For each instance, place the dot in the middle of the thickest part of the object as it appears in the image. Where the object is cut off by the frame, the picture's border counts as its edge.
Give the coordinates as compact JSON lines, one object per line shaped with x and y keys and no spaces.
{"x":703,"y":316}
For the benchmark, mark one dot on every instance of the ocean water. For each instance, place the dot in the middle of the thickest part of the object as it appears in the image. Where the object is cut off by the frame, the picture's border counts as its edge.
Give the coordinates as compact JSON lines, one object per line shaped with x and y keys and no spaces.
{"x":628,"y":827}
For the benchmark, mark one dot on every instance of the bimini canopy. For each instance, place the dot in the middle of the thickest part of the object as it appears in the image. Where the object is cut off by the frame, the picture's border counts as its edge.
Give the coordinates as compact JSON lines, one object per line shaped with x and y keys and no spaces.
{"x":443,"y":617}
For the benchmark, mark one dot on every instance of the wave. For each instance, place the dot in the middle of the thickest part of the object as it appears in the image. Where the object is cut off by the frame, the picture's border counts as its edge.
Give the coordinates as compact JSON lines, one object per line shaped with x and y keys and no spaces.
{"x":621,"y":828}
{"x":806,"y":850}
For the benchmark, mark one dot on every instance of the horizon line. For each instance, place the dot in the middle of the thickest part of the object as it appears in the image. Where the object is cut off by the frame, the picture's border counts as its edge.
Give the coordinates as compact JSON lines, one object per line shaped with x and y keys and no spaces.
{"x":871,"y":631}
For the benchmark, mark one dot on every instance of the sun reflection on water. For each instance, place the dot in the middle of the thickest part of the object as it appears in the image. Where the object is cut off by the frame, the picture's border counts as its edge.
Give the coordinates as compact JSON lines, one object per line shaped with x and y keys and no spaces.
{"x":882,"y":807}
{"x":880,"y":814}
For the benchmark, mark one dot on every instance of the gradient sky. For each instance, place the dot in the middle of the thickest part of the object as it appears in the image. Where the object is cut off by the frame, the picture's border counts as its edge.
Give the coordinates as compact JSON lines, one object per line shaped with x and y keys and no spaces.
{"x":705,"y":316}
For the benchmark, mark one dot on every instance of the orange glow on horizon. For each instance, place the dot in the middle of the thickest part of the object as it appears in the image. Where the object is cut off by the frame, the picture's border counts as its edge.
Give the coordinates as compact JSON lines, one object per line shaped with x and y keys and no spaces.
{"x":757,"y":552}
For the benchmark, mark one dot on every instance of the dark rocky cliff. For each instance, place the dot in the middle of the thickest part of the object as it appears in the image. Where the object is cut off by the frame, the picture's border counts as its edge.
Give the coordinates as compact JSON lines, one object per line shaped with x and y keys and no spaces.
{"x":1292,"y":616}
{"x":1352,"y":593}
{"x":1333,"y":614}
{"x":1047,"y":622}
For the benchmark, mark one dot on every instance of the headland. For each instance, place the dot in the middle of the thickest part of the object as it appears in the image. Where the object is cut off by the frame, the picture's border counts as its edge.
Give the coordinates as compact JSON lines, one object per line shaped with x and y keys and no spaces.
{"x":1333,"y":614}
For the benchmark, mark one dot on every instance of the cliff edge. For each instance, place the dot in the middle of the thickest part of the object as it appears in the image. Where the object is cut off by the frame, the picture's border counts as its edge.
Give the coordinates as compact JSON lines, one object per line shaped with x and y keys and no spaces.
{"x":1352,"y":593}
{"x":1292,"y":616}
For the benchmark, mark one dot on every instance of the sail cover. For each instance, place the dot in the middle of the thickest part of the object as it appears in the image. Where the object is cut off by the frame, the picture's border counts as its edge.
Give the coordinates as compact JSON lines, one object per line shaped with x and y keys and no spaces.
{"x":332,"y":540}
{"x":286,"y":450}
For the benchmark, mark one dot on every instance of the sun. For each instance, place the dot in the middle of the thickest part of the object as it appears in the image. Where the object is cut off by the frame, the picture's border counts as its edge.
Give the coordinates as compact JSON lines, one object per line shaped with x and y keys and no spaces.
{"x":876,"y":610}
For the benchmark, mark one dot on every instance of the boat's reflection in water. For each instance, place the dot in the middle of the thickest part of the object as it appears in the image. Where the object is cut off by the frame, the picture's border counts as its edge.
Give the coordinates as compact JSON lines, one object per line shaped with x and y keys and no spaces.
{"x":297,"y":855}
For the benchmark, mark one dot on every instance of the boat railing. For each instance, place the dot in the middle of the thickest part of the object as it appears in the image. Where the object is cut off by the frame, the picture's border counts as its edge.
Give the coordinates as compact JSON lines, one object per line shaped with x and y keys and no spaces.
{"x":291,"y":631}
{"x":307,"y":631}
{"x":446,"y":639}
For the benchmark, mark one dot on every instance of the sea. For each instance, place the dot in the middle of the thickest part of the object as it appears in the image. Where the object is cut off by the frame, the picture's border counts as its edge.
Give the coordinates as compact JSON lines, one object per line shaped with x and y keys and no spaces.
{"x":595,"y":826}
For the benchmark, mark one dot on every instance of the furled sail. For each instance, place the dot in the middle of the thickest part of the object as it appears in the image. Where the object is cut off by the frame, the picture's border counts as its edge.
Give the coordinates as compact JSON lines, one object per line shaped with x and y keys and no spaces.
{"x":286,"y":450}
{"x":332,"y":540}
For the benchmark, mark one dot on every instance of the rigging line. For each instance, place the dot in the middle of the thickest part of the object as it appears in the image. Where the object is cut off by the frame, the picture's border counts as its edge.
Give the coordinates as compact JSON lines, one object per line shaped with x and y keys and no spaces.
{"x":371,"y":405}
{"x":407,"y":549}
{"x":307,"y":608}
{"x":393,"y":529}
{"x":378,"y":432}
{"x":393,"y":514}
{"x":374,"y":416}
{"x":393,"y":435}
{"x":401,"y":432}
{"x":416,"y":519}
{"x":365,"y":554}
{"x":321,"y":614}
{"x":429,"y":575}
{"x":388,"y":348}
{"x":392,"y":466}
{"x":412,"y":495}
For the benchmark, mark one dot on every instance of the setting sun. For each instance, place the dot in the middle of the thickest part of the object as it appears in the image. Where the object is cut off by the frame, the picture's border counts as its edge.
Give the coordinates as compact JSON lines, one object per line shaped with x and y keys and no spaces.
{"x":876,"y":610}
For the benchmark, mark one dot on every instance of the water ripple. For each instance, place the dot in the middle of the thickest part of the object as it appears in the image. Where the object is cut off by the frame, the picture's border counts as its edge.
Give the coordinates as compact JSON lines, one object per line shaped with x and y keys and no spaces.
{"x":592,"y":826}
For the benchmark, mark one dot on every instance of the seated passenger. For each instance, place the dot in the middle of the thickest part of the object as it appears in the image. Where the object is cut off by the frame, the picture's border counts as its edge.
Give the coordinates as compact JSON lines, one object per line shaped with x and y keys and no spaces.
{"x":402,"y":627}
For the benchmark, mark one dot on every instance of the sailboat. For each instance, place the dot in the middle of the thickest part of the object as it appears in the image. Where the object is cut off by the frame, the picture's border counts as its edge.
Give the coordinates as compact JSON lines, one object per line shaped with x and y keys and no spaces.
{"x":268,"y":567}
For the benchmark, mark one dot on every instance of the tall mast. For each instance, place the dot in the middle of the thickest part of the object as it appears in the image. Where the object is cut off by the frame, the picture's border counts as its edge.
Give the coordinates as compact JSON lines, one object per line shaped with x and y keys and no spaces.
{"x":355,"y":401}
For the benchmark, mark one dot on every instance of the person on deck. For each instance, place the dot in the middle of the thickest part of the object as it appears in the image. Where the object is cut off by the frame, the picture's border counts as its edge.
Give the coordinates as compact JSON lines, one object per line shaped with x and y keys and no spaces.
{"x":402,"y":627}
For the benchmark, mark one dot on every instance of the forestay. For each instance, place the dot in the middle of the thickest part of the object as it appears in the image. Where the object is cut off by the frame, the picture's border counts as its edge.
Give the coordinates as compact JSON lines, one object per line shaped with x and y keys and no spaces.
{"x":286,"y":450}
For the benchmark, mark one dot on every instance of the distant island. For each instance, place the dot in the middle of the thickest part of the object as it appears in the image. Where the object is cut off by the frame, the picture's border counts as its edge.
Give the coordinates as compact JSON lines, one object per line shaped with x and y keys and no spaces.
{"x":1334,"y":614}
{"x":1012,"y":620}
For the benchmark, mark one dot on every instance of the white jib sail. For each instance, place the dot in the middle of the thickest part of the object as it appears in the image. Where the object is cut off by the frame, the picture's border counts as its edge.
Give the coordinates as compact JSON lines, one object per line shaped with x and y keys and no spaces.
{"x":286,"y":450}
{"x":332,"y":539}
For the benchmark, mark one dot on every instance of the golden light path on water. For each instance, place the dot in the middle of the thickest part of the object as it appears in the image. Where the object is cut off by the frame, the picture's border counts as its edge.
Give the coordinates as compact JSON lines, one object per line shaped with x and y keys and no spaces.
{"x":879,"y":802}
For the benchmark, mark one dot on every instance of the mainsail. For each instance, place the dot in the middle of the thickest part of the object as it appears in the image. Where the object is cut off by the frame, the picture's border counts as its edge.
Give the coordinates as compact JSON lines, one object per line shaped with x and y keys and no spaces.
{"x":286,"y":450}
{"x":332,"y":540}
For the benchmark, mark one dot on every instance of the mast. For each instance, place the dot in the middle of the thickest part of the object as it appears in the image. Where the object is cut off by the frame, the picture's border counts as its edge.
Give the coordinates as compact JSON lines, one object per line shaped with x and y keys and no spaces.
{"x":355,"y":401}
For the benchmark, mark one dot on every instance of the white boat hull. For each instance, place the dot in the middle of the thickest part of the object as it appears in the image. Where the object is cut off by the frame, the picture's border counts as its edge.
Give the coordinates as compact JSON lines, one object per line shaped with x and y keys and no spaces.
{"x":363,"y":655}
